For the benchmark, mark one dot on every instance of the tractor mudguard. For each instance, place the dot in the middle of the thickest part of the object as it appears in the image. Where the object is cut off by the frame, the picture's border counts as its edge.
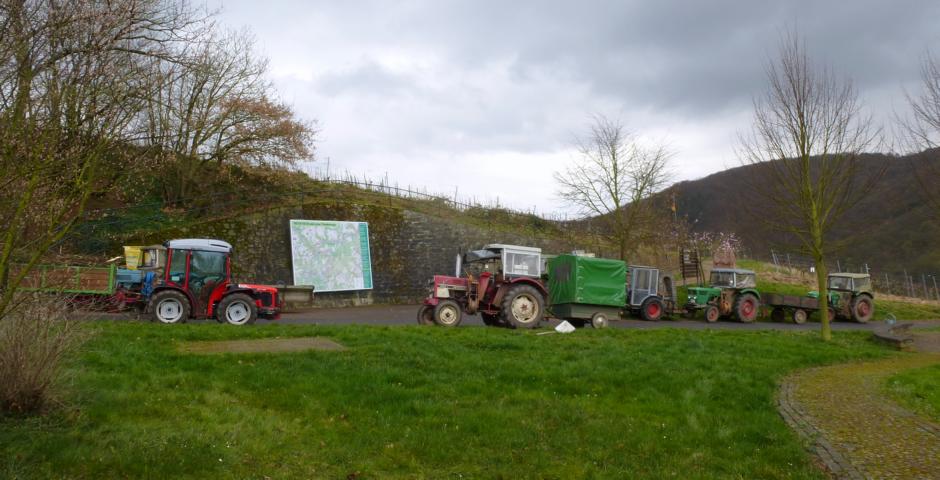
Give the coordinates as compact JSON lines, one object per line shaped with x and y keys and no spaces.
{"x":752,"y":291}
{"x":498,"y":298}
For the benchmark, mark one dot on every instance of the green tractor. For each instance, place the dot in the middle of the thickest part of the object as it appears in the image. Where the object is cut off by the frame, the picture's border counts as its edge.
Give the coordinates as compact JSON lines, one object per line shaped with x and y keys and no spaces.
{"x":731,"y":293}
{"x":850,"y":297}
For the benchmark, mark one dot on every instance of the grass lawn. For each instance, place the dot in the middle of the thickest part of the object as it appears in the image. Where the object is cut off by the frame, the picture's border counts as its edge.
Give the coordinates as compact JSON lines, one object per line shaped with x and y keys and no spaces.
{"x":918,"y":389}
{"x":413,"y":402}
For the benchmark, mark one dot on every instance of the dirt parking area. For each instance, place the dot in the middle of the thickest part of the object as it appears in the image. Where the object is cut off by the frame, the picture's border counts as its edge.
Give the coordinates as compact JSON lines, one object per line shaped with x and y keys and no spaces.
{"x":267,"y":345}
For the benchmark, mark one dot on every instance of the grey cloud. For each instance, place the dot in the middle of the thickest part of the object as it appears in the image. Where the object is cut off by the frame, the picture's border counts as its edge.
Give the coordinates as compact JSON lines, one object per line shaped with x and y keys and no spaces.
{"x":523,"y":76}
{"x":367,"y":78}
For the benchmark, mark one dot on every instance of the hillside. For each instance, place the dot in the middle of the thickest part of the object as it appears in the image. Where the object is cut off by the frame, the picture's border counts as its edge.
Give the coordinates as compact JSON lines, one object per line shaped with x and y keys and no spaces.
{"x":412,"y":235}
{"x":891,"y":230}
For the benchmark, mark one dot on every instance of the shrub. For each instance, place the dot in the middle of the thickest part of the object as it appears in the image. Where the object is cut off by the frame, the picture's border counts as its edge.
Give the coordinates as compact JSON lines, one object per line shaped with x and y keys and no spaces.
{"x":36,"y":338}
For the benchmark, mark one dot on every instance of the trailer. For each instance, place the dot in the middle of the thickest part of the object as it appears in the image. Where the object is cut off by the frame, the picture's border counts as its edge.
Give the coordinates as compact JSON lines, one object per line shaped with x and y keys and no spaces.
{"x":109,"y":288}
{"x":597,"y":290}
{"x":796,"y":308}
{"x":586,"y":289}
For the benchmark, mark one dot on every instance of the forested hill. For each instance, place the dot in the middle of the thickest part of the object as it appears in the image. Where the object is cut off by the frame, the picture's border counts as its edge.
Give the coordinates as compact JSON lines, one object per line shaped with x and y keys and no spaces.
{"x":892,"y":229}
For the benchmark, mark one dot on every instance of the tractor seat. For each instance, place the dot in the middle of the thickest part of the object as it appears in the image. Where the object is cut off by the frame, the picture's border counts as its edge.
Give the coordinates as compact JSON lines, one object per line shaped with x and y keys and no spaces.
{"x":207,"y":288}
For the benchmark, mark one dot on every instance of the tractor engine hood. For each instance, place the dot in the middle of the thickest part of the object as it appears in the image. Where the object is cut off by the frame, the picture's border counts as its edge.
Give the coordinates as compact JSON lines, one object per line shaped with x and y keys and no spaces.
{"x":258,"y":288}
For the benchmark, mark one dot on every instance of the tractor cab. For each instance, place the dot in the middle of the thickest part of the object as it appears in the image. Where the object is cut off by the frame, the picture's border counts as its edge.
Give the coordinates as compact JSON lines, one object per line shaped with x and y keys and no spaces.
{"x":196,"y":282}
{"x":649,"y":294}
{"x":506,"y":261}
{"x":850,"y":282}
{"x":732,"y":278}
{"x":643,"y":282}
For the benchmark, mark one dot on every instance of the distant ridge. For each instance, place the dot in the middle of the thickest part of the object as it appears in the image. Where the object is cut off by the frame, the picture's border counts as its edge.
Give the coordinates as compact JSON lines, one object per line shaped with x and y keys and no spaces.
{"x":891,"y":230}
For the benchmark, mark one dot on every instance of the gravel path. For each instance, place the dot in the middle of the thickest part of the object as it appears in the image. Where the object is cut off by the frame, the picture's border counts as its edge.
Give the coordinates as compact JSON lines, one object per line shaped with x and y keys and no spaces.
{"x":856,"y":430}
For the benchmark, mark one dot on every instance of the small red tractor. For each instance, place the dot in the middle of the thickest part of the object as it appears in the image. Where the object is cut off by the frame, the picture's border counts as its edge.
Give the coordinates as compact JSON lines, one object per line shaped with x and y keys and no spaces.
{"x":197,"y":283}
{"x":503,"y":283}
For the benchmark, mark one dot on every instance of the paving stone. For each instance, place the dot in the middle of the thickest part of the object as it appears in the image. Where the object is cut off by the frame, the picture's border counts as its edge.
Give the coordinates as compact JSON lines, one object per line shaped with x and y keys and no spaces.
{"x":856,"y":431}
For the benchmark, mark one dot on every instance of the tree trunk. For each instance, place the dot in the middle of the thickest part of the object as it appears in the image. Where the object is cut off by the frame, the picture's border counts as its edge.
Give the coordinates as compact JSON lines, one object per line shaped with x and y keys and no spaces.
{"x":823,"y":288}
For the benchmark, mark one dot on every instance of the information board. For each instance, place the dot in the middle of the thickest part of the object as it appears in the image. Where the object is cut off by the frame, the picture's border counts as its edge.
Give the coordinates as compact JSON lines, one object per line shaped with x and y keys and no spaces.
{"x":331,"y":256}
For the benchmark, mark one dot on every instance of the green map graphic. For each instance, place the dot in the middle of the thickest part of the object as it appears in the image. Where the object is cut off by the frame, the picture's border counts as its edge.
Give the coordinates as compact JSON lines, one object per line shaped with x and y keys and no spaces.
{"x":331,"y":256}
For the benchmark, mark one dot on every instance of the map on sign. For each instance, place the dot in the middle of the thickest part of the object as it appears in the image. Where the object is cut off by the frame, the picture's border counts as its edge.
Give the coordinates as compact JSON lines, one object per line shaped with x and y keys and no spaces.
{"x":331,"y":256}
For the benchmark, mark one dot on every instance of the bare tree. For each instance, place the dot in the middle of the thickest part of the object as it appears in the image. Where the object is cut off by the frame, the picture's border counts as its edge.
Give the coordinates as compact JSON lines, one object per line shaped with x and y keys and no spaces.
{"x":70,"y":84}
{"x":614,"y":180}
{"x":807,"y":135}
{"x":923,"y":131}
{"x":216,"y":106}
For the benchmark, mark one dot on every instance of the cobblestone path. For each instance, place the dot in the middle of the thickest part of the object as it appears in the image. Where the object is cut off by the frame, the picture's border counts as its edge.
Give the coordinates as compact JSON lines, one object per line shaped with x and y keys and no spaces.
{"x":858,"y":432}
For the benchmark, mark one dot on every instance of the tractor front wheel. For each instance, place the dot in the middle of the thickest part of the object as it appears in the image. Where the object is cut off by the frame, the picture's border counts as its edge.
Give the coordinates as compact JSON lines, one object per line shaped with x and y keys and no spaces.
{"x":652,"y":309}
{"x":863,"y":308}
{"x":523,"y":307}
{"x":238,"y":309}
{"x":426,"y":315}
{"x":447,"y":313}
{"x":746,"y":307}
{"x":711,"y":314}
{"x":170,"y":306}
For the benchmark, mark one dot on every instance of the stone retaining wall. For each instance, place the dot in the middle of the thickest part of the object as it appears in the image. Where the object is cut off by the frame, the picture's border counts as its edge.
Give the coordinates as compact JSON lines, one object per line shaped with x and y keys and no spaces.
{"x":407,"y":247}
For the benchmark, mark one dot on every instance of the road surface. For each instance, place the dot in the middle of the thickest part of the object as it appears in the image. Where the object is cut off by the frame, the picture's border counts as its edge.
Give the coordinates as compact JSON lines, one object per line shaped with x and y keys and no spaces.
{"x":389,"y":315}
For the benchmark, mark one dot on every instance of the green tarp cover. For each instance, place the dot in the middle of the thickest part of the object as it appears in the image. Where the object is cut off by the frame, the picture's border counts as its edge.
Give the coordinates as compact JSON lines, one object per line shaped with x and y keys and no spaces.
{"x":594,"y":281}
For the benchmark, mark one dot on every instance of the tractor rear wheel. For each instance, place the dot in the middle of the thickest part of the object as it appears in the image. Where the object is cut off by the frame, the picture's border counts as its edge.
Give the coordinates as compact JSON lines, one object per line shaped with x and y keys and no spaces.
{"x":863,"y":308}
{"x":447,"y":313}
{"x":523,"y":307}
{"x":238,"y":309}
{"x":746,"y":307}
{"x":170,"y":306}
{"x":426,"y":315}
{"x":711,"y":314}
{"x":777,"y":314}
{"x":832,"y":314}
{"x":652,"y":309}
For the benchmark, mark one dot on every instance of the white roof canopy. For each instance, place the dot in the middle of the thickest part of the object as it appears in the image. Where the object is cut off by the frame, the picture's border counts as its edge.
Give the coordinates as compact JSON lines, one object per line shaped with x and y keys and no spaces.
{"x":205,"y":244}
{"x":518,"y":248}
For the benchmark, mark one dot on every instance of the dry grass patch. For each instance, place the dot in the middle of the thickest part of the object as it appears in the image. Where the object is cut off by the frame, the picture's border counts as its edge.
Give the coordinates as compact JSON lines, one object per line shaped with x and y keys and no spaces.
{"x":36,"y":339}
{"x":267,"y":345}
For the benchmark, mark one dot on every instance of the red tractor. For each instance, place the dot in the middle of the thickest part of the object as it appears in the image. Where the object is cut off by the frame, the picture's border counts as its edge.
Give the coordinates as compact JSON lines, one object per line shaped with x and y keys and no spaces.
{"x":500,"y":282}
{"x":197,"y":283}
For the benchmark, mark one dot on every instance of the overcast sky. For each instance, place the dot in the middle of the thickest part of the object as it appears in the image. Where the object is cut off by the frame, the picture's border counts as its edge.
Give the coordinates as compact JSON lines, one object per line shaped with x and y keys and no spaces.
{"x":486,"y":97}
